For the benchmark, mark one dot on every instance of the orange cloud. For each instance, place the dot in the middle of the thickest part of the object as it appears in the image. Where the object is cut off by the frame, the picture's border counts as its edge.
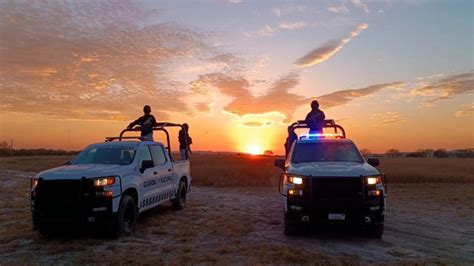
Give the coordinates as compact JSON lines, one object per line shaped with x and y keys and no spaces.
{"x":277,"y":98}
{"x":383,"y":119}
{"x":85,"y":60}
{"x":465,"y":110}
{"x":325,"y":52}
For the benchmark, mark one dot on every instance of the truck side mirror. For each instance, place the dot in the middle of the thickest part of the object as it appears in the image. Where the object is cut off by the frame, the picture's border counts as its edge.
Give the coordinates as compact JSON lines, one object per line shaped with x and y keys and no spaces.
{"x":280,"y":163}
{"x":146,"y":164}
{"x":373,"y":161}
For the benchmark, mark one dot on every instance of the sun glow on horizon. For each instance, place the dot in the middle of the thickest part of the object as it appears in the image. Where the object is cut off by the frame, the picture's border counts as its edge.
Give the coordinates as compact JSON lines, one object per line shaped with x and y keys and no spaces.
{"x":253,"y":149}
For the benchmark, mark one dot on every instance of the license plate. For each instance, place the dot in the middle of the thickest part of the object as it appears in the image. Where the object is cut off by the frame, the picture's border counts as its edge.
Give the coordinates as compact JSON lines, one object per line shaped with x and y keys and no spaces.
{"x":336,"y":216}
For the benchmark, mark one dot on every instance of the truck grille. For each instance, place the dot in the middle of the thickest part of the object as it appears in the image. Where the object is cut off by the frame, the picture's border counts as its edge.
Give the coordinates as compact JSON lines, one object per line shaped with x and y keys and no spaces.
{"x":341,"y":195}
{"x":337,"y":188}
{"x":58,"y":199}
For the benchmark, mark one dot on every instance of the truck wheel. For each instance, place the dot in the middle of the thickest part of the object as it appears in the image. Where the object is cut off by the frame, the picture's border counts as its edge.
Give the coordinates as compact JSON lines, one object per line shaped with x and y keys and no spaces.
{"x":375,"y":231}
{"x":126,"y":220}
{"x":180,"y":200}
{"x":44,"y":232}
{"x":290,"y":228}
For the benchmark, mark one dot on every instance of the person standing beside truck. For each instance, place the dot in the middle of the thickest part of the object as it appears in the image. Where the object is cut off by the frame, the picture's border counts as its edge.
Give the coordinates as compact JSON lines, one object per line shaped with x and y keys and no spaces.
{"x":184,"y":142}
{"x":146,"y":122}
{"x":289,"y":140}
{"x":315,"y":118}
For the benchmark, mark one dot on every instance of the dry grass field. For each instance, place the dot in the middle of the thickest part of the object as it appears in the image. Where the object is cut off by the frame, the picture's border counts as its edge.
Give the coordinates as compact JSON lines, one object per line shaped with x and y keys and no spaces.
{"x":234,"y":216}
{"x":224,"y":170}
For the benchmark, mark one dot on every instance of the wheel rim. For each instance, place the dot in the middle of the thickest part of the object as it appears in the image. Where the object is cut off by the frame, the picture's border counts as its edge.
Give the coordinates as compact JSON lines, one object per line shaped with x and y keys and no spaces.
{"x":128,"y":217}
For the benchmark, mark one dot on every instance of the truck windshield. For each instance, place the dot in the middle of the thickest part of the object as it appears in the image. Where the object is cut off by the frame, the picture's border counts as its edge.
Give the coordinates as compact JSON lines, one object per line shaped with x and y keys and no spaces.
{"x":106,"y":155}
{"x":325,"y":152}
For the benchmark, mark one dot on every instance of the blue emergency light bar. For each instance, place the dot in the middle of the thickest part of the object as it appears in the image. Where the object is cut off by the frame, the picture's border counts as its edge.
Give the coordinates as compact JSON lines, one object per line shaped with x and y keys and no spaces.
{"x":320,"y":136}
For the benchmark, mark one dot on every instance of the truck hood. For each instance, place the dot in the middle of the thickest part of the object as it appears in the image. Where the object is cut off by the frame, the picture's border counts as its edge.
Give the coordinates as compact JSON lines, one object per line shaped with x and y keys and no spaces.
{"x":332,"y":169}
{"x":83,"y":170}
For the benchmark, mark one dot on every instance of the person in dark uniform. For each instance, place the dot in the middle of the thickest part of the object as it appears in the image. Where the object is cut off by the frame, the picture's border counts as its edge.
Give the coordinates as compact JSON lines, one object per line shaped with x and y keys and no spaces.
{"x":315,"y":118}
{"x":146,"y":122}
{"x":289,"y":140}
{"x":184,"y":141}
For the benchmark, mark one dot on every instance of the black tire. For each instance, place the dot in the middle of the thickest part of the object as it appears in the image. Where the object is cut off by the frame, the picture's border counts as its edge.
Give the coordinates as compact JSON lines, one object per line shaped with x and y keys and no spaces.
{"x":375,"y":231}
{"x":44,"y":232}
{"x":126,"y":221}
{"x":180,"y":200}
{"x":290,"y":228}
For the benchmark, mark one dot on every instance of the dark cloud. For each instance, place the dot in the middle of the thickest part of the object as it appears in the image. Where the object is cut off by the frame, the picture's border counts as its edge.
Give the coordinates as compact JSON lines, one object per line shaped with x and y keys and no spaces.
{"x":446,"y":88}
{"x":278,"y":98}
{"x":342,"y":97}
{"x":89,"y":59}
{"x":325,"y":52}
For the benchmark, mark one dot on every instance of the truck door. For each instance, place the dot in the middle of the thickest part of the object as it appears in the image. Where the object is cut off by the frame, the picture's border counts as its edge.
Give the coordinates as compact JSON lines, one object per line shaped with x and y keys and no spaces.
{"x":163,"y":167}
{"x":148,"y":181}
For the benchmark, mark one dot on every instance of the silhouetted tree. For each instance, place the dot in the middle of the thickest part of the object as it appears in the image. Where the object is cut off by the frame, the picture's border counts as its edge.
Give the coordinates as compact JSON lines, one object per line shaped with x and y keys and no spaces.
{"x":365,"y":152}
{"x":392,"y":153}
{"x":440,"y":153}
{"x":268,"y":153}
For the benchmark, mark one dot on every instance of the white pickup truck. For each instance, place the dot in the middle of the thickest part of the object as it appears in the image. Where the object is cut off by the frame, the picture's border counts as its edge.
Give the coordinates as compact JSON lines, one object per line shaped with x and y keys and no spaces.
{"x":108,"y":184}
{"x":326,"y":181}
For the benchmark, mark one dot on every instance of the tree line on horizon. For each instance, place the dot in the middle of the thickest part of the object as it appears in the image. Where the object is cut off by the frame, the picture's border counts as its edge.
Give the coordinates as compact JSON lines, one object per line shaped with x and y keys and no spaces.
{"x":427,"y":153}
{"x":7,"y":150}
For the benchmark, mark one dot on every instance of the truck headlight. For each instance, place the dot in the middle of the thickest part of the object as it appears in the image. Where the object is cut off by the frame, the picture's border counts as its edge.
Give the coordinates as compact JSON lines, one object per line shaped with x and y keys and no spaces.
{"x":373,"y":180}
{"x":104,"y":181}
{"x":295,"y":180}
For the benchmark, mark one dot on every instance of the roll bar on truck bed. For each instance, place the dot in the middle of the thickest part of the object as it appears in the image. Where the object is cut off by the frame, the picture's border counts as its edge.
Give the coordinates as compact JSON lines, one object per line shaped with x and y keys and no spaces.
{"x":328,"y":123}
{"x":160,"y":127}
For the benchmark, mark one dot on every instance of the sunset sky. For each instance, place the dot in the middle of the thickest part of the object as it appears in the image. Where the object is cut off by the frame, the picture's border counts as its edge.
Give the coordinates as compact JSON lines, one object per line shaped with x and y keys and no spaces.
{"x":395,"y":74}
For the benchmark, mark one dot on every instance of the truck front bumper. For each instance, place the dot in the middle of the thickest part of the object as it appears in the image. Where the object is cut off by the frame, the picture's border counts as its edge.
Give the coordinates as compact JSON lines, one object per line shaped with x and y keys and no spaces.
{"x":69,"y":205}
{"x":336,"y":211}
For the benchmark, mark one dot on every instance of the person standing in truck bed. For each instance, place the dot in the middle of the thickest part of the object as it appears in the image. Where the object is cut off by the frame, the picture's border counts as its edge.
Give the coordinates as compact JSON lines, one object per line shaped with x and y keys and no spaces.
{"x":184,"y":142}
{"x":146,"y":122}
{"x":315,"y":118}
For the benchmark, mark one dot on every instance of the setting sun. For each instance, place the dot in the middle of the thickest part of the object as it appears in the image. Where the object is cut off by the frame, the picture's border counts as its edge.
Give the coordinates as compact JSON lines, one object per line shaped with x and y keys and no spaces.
{"x":254,"y":149}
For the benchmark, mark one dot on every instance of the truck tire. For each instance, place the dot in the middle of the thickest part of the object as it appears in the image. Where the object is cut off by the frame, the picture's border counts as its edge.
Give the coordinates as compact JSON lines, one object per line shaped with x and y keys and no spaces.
{"x":375,"y":231}
{"x":290,"y":228}
{"x":44,"y":232}
{"x":180,"y":200}
{"x":126,"y":221}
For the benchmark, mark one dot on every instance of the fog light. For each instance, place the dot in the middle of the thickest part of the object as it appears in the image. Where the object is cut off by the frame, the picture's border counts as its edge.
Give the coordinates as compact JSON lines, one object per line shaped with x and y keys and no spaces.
{"x":305,"y":218}
{"x":375,"y":193}
{"x":107,"y":194}
{"x":295,"y":192}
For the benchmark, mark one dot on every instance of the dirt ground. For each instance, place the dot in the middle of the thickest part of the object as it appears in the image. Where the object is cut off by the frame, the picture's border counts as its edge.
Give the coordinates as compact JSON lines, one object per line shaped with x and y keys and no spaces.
{"x":425,"y":223}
